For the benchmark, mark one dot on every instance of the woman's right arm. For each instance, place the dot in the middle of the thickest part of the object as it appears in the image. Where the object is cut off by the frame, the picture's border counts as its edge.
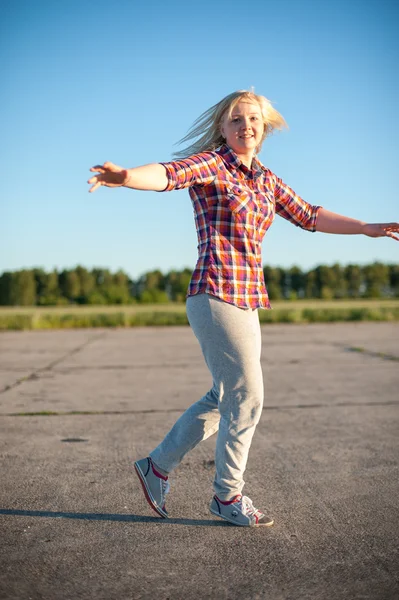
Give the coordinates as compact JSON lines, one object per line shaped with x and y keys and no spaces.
{"x":148,"y":177}
{"x":199,"y":169}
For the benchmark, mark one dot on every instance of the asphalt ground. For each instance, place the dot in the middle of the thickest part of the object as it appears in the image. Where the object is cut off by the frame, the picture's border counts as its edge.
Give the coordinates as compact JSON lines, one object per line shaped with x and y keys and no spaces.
{"x":74,"y":523}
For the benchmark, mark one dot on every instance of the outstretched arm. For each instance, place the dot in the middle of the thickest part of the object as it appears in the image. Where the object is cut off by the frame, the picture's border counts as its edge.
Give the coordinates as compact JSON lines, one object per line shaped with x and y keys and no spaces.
{"x":329,"y":222}
{"x":148,"y":177}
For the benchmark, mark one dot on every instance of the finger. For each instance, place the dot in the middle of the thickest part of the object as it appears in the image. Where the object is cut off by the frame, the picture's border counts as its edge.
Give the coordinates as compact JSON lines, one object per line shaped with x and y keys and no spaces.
{"x":112,"y":167}
{"x":95,"y":186}
{"x":99,"y":168}
{"x":392,"y":235}
{"x":97,"y":178}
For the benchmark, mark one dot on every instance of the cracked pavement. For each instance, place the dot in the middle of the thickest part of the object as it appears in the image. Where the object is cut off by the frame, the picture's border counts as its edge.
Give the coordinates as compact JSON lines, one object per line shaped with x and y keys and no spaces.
{"x":78,"y":406}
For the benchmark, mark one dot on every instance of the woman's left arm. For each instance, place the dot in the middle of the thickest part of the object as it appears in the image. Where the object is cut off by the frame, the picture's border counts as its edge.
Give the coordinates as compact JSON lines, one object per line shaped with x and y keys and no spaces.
{"x":329,"y":222}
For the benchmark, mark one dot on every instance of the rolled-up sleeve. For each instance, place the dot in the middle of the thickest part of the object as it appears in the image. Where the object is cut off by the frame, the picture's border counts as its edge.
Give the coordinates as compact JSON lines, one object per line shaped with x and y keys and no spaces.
{"x":199,"y":169}
{"x":292,"y":207}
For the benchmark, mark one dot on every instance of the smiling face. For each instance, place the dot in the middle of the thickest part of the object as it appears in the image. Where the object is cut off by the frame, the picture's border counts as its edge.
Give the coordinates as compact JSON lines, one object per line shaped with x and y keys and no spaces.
{"x":243,"y":129}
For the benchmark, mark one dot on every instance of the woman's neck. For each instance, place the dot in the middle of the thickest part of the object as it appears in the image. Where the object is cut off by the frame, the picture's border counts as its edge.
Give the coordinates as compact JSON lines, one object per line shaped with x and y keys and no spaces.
{"x":245,"y":157}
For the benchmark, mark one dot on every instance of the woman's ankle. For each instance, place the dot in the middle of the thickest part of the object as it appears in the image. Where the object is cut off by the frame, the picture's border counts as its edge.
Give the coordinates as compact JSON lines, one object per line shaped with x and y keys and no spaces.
{"x":158,"y":469}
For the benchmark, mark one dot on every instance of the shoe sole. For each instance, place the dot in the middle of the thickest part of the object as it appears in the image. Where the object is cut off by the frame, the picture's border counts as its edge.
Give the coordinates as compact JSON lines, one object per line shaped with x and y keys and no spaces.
{"x":268,"y":524}
{"x":147,"y":493}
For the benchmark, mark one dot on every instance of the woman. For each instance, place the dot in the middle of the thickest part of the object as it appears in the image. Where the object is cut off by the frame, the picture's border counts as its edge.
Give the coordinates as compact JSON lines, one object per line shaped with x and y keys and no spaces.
{"x":235,"y":199}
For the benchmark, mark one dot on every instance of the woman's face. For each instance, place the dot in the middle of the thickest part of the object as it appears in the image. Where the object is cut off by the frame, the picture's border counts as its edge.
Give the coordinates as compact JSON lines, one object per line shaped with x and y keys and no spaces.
{"x":243,"y":129}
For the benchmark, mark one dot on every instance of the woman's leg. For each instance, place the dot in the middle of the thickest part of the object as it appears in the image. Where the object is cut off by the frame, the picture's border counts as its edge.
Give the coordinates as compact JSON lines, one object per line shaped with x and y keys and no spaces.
{"x":230,"y":341}
{"x":196,"y":424}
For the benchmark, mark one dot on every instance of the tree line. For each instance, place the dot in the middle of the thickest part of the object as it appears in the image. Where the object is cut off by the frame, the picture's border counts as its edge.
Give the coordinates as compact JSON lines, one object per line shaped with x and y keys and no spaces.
{"x":36,"y":287}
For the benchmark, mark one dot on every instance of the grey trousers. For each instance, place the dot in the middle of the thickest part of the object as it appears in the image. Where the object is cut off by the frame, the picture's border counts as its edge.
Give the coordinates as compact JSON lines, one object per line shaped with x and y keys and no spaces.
{"x":230,"y":340}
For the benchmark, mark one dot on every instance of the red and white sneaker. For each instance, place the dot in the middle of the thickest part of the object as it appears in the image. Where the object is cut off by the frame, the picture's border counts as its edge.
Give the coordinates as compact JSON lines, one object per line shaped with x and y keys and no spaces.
{"x":155,"y":486}
{"x":240,"y":511}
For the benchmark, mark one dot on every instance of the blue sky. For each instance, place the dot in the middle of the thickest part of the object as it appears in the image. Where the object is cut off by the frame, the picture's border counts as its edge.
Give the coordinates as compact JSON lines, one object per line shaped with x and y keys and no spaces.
{"x":85,"y":82}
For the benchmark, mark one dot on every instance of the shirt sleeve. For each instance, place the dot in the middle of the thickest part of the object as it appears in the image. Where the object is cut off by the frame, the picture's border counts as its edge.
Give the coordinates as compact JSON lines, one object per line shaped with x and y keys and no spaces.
{"x":199,"y":169}
{"x":293,"y":208}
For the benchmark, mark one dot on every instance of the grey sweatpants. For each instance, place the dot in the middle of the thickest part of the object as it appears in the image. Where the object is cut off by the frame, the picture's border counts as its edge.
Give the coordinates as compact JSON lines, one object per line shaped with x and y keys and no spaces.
{"x":231,"y":343}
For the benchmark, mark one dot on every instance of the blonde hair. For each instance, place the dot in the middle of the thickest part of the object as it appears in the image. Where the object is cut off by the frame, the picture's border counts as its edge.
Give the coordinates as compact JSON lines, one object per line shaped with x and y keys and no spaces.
{"x":207,"y":127}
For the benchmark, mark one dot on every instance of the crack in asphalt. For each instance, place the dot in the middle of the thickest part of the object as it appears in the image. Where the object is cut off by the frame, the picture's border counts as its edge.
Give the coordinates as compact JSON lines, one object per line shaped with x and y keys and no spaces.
{"x":161,"y":365}
{"x":49,"y":413}
{"x":34,"y":374}
{"x":383,"y":355}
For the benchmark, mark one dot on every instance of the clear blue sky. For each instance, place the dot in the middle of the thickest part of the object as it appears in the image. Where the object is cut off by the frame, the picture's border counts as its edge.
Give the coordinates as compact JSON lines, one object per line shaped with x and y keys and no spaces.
{"x":84,"y":82}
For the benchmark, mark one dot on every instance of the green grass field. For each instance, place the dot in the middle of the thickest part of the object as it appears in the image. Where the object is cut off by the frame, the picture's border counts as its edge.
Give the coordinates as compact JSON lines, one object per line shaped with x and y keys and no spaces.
{"x":300,"y":311}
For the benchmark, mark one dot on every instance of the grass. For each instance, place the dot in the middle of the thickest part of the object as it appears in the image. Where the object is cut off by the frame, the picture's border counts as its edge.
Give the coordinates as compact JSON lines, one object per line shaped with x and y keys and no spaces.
{"x":180,"y":306}
{"x":300,"y":311}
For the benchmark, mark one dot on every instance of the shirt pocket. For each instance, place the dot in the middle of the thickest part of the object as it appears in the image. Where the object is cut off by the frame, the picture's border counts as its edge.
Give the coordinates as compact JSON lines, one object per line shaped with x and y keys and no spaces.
{"x":241,"y":201}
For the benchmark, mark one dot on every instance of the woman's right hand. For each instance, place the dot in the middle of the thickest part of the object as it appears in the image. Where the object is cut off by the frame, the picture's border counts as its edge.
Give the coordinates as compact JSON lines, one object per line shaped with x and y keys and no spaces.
{"x":109,"y":175}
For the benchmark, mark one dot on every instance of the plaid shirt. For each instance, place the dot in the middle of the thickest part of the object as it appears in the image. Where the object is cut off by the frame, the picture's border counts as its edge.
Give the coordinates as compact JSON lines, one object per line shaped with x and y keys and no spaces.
{"x":234,"y":206}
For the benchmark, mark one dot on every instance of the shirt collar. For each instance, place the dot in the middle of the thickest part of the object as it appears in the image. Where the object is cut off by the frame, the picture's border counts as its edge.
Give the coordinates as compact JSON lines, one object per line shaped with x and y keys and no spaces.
{"x":231,"y":157}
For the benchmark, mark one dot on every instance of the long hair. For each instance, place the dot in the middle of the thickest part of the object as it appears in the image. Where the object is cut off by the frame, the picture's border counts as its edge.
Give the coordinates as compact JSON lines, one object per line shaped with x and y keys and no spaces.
{"x":207,"y":127}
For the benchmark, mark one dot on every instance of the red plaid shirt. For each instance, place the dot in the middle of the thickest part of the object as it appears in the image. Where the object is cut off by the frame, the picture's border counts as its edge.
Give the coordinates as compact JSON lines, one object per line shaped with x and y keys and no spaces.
{"x":234,"y":207}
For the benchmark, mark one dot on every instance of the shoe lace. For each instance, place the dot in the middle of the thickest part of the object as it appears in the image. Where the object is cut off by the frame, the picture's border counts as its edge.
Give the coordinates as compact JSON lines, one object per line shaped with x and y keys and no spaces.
{"x":247,"y":507}
{"x":165,"y":487}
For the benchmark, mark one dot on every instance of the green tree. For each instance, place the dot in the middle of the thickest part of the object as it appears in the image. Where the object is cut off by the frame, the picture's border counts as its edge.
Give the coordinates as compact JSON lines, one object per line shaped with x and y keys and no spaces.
{"x":5,"y":288}
{"x":120,"y":278}
{"x":354,"y":280}
{"x":151,"y":282}
{"x":297,"y":282}
{"x":274,"y":282}
{"x":41,"y":278}
{"x":70,"y":285}
{"x":340,"y":285}
{"x":311,"y":287}
{"x":176,"y":284}
{"x":87,"y":284}
{"x":96,"y":298}
{"x":117,"y":294}
{"x":394,"y":279}
{"x":119,"y":291}
{"x":47,"y":288}
{"x":153,"y":296}
{"x":154,"y":280}
{"x":108,"y":288}
{"x":376,"y":277}
{"x":325,"y":282}
{"x":21,"y":288}
{"x":102,"y":277}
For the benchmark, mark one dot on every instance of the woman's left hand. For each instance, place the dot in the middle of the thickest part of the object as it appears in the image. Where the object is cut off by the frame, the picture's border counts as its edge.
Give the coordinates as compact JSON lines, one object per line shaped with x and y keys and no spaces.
{"x":382,"y":230}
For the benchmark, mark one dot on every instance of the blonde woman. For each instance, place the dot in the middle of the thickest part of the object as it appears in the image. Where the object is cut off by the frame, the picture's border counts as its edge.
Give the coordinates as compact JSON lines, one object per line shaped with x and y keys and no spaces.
{"x":235,"y":199}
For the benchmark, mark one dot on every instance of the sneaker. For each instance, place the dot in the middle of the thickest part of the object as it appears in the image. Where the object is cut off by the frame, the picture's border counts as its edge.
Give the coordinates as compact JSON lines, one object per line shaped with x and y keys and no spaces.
{"x":240,"y":511}
{"x":155,"y":485}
